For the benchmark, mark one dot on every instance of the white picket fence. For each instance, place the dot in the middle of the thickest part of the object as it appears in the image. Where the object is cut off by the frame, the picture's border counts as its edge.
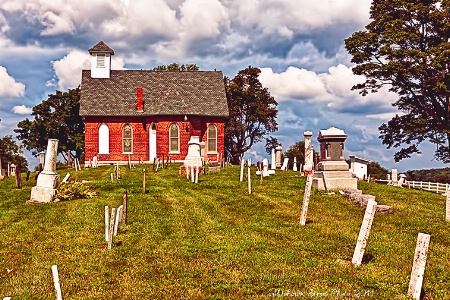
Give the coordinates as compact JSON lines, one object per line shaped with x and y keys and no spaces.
{"x":436,"y":187}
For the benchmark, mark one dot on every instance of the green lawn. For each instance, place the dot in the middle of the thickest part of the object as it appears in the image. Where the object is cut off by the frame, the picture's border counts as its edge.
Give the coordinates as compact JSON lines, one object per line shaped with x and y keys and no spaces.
{"x":212,"y":240}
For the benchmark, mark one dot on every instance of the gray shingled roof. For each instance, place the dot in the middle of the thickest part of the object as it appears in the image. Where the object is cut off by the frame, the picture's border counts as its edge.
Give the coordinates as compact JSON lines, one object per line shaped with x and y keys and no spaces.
{"x":101,"y":47}
{"x":199,"y":93}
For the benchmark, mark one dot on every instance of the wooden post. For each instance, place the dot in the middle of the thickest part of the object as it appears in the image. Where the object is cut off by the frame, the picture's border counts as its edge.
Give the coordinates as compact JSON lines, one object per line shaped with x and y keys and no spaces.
{"x":118,"y":219}
{"x":306,"y":196}
{"x":76,"y":166}
{"x":364,"y":233}
{"x":163,"y":163}
{"x":112,"y":177}
{"x":196,"y":172}
{"x":241,"y":177}
{"x":419,"y":262}
{"x":56,"y":282}
{"x":249,"y":179}
{"x":447,"y":205}
{"x":78,"y":162}
{"x":143,"y":183}
{"x":111,"y":227}
{"x":106,"y":222}
{"x":129,"y":162}
{"x":28,"y":175}
{"x":68,"y":160}
{"x":125,"y":208}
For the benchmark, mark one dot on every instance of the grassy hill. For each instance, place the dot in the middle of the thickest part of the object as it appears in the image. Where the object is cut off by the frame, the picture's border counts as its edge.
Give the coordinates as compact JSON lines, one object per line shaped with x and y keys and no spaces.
{"x":212,"y":240}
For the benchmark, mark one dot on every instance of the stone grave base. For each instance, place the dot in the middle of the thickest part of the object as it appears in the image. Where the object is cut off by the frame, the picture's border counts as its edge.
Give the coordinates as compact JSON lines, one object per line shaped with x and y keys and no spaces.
{"x":42,"y":194}
{"x":334,"y":180}
{"x":332,"y":166}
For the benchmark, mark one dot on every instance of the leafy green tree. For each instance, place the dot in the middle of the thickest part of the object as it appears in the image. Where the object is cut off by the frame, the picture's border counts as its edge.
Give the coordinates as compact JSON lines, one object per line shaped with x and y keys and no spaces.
{"x":375,"y":170}
{"x":406,"y":47}
{"x":58,"y":117}
{"x":271,"y":143}
{"x":11,"y":153}
{"x":253,"y":112}
{"x":177,"y":67}
{"x":297,"y":150}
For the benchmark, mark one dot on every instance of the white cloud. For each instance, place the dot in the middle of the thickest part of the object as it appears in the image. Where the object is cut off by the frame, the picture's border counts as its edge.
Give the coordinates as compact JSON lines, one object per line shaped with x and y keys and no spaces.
{"x":22,"y":110}
{"x":8,"y":85}
{"x":299,"y":16}
{"x":332,"y":88}
{"x":68,"y":69}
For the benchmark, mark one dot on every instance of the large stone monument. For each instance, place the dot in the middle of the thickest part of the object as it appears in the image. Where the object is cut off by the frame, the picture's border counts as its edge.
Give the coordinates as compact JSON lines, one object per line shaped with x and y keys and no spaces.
{"x":332,"y":170}
{"x":48,"y":179}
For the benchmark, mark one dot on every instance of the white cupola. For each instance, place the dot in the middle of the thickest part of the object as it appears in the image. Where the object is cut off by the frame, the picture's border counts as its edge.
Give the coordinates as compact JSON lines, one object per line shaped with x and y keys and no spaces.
{"x":101,"y":60}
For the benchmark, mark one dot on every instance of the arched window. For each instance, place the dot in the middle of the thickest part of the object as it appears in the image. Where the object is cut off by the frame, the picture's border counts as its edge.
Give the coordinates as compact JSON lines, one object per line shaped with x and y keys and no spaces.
{"x":103,"y":139}
{"x":174,"y":141}
{"x":127,"y":138}
{"x":212,"y":138}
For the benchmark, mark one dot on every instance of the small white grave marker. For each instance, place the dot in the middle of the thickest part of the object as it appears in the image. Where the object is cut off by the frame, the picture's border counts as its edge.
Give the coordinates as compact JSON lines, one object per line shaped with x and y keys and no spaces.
{"x":364,"y":232}
{"x":306,"y":197}
{"x":106,"y":222}
{"x":56,"y":282}
{"x":66,"y":178}
{"x":419,"y":262}
{"x":118,"y":219}
{"x":111,"y":227}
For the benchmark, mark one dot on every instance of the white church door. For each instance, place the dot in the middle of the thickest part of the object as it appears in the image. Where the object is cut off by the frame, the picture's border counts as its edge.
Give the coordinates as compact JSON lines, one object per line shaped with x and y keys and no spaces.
{"x":152,"y":142}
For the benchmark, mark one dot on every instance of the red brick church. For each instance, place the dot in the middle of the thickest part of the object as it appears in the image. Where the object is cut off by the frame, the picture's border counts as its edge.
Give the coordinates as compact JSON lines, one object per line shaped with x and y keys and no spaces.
{"x":144,"y":114}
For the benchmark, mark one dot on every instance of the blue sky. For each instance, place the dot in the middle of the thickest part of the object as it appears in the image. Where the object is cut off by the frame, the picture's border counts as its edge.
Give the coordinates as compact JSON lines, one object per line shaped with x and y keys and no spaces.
{"x":298,"y":44}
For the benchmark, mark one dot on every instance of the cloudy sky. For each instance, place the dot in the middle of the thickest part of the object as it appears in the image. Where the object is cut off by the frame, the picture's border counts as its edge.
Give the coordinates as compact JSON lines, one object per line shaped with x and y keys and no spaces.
{"x":298,"y":44}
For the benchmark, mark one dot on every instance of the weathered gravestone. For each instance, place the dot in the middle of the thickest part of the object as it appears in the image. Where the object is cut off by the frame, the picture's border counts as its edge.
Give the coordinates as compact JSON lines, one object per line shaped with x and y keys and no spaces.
{"x":278,"y":152}
{"x":309,"y":152}
{"x":48,"y":179}
{"x":419,"y":263}
{"x":273,"y":160}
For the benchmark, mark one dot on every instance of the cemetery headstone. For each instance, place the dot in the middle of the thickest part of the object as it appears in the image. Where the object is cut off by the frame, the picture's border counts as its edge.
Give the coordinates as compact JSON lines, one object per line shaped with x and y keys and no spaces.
{"x":278,"y":152}
{"x":265,"y":167}
{"x":284,"y":167}
{"x":306,"y":197}
{"x":48,"y":179}
{"x":309,"y":160}
{"x":364,"y":232}
{"x":394,"y":176}
{"x":294,"y":167}
{"x":419,"y":263}
{"x":56,"y":282}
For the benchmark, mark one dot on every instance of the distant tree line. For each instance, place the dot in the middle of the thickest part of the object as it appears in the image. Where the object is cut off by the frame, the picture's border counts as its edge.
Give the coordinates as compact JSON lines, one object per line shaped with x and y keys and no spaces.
{"x":432,"y":175}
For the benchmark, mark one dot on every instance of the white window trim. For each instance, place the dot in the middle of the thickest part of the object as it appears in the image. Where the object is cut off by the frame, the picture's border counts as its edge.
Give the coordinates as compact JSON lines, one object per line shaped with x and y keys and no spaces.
{"x":178,"y":140}
{"x":207,"y":140}
{"x":103,"y":139}
{"x":123,"y":130}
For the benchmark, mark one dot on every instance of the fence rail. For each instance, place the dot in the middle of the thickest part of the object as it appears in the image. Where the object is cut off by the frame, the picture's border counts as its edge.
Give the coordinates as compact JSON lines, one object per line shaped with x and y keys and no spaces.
{"x":436,"y":187}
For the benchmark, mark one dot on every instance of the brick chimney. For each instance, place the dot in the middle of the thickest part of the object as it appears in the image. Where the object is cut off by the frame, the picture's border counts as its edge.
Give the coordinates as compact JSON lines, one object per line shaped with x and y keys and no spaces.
{"x":140,"y":102}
